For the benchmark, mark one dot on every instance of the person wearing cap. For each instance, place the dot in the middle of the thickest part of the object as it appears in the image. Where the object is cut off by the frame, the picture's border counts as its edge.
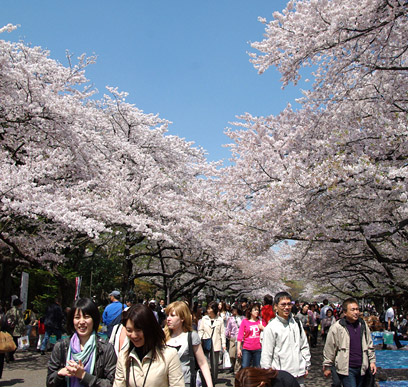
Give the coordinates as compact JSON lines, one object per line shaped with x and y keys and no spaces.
{"x":113,"y":312}
{"x":15,"y":324}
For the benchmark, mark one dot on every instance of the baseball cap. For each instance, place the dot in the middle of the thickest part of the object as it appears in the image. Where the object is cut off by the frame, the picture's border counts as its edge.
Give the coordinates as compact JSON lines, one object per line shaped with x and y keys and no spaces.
{"x":115,"y":294}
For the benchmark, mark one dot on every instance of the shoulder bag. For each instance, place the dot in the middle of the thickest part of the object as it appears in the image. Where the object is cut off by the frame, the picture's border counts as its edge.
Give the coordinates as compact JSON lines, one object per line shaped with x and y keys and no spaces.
{"x":6,"y":342}
{"x":207,"y":343}
{"x":194,"y":368}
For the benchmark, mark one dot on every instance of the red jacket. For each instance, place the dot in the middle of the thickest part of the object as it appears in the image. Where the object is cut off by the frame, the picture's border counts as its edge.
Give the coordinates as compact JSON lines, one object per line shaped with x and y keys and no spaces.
{"x":267,"y":314}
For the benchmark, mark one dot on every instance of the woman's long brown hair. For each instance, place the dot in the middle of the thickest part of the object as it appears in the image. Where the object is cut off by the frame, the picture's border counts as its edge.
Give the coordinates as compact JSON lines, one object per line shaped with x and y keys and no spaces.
{"x":143,"y":319}
{"x":253,"y":377}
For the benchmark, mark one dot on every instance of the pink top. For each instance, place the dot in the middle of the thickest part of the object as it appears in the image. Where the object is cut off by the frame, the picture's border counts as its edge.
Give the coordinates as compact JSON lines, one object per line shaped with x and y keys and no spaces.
{"x":250,"y":334}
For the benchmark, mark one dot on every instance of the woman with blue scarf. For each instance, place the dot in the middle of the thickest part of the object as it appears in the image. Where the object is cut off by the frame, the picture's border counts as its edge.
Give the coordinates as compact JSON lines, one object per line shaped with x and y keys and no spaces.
{"x":83,"y":360}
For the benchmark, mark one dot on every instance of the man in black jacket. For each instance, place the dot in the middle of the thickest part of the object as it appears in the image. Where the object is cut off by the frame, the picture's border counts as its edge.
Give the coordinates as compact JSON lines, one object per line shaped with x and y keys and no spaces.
{"x":53,"y":323}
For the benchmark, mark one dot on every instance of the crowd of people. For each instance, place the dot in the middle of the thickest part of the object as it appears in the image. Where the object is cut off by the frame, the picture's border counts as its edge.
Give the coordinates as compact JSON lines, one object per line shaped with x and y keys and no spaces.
{"x":151,"y":344}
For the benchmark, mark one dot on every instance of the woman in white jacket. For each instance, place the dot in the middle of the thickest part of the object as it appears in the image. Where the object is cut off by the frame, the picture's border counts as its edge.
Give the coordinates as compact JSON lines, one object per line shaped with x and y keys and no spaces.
{"x":146,"y":361}
{"x":212,"y":334}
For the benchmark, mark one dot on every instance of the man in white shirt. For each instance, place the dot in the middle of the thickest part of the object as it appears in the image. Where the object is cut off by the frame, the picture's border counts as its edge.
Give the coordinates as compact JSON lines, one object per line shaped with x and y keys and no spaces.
{"x":389,"y":325}
{"x":284,"y":344}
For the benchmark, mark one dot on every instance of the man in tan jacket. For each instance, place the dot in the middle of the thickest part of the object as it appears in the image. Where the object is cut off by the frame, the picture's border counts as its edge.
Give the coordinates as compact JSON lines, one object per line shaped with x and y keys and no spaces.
{"x":349,"y":348}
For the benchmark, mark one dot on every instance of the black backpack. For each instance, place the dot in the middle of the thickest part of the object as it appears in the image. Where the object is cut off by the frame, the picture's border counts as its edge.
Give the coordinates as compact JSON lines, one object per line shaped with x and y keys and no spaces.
{"x":299,"y":324}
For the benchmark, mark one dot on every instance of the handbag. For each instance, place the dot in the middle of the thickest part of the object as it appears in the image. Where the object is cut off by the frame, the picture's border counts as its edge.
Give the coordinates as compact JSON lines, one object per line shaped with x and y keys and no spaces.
{"x":6,"y":343}
{"x":226,"y":361}
{"x":388,"y":338}
{"x":207,"y":343}
{"x":23,"y":343}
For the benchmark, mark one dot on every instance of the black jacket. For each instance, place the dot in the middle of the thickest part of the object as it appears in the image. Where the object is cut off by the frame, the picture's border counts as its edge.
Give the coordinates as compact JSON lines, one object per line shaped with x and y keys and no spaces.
{"x":284,"y":379}
{"x":105,"y":365}
{"x":53,"y":317}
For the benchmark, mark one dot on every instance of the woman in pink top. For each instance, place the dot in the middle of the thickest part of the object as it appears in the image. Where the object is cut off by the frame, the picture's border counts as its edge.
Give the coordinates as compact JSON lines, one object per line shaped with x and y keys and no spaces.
{"x":250,"y":334}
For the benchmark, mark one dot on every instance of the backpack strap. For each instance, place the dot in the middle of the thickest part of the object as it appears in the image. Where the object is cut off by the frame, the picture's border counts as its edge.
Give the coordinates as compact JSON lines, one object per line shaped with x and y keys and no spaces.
{"x":193,"y":371}
{"x":112,"y":338}
{"x":299,"y":324}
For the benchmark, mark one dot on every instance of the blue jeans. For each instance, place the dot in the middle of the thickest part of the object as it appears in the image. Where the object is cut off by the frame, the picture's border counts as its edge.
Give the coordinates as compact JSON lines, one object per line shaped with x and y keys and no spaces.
{"x":48,"y":333}
{"x":354,"y":378}
{"x":251,"y":355}
{"x":29,"y":328}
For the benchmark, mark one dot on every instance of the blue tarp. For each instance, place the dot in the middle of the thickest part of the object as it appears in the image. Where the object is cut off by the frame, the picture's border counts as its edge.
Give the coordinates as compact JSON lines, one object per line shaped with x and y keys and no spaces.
{"x":401,"y":383}
{"x":377,"y":337}
{"x":392,"y":359}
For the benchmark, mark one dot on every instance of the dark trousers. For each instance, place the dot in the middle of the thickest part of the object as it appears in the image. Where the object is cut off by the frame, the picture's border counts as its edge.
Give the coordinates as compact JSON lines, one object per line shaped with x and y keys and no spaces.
{"x":354,"y":378}
{"x":49,"y":331}
{"x":1,"y":364}
{"x":313,"y":336}
{"x":213,"y":359}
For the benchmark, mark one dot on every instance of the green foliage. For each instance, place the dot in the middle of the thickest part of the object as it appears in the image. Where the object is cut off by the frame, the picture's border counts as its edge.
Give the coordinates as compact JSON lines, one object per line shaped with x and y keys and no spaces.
{"x":295,"y":288}
{"x":42,"y":288}
{"x":143,"y":289}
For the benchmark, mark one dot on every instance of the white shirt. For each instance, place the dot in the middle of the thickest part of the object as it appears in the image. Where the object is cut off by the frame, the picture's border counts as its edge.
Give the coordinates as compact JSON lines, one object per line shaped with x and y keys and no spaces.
{"x":389,"y":314}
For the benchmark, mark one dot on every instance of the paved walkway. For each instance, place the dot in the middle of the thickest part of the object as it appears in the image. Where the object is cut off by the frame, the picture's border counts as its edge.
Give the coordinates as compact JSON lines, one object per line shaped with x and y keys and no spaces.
{"x":30,"y":370}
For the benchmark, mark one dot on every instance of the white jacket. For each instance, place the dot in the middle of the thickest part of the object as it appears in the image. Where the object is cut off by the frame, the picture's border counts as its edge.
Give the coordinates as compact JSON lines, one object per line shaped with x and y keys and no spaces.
{"x":164,"y":371}
{"x":115,"y":338}
{"x":218,"y":337}
{"x":285,"y":347}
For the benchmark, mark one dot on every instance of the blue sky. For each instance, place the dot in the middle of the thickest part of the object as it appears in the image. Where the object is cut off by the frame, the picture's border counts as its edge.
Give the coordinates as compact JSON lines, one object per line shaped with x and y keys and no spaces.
{"x":184,"y":60}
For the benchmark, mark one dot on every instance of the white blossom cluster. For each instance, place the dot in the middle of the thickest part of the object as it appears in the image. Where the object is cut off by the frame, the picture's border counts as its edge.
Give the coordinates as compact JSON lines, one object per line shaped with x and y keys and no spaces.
{"x":331,"y":176}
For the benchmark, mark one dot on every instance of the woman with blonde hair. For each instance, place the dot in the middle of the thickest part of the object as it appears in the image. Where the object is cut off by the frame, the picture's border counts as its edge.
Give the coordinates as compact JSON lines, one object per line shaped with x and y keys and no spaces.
{"x":180,"y":335}
{"x":146,"y":361}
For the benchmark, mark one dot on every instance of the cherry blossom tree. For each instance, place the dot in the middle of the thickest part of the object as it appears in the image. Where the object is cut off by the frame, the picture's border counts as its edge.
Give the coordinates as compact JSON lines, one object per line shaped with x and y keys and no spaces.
{"x":71,"y":164}
{"x":79,"y":172}
{"x":331,"y":176}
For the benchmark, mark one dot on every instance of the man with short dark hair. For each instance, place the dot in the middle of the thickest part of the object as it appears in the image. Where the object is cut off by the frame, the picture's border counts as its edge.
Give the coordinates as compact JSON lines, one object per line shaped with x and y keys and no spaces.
{"x":390,"y":326}
{"x":348,"y":352}
{"x":285,"y":344}
{"x":161,"y":310}
{"x":295,"y":308}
